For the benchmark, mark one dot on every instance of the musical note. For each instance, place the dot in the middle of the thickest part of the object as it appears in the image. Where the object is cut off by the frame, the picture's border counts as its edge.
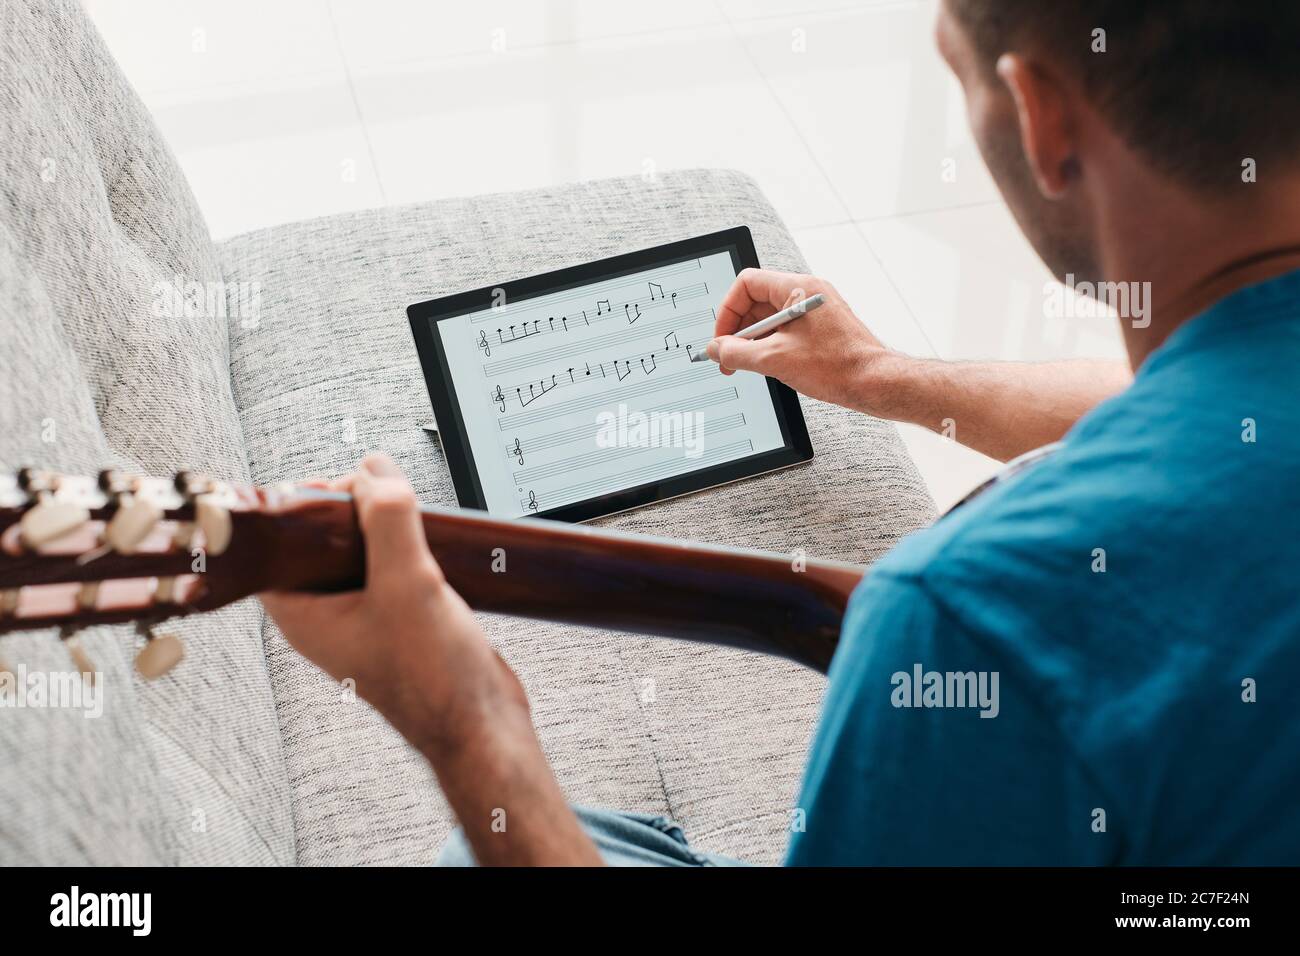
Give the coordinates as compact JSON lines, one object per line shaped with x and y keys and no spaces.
{"x":523,"y":332}
{"x":653,"y":286}
{"x":670,"y":341}
{"x":483,"y":344}
{"x":629,"y":370}
{"x":674,"y":300}
{"x":688,"y":354}
{"x":570,"y":376}
{"x":534,"y":392}
{"x":518,"y":451}
{"x":630,"y":317}
{"x":652,"y":367}
{"x":601,"y":305}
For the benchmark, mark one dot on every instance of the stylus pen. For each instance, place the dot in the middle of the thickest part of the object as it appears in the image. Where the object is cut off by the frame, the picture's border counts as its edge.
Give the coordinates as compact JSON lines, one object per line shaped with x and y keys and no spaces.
{"x":772,"y":322}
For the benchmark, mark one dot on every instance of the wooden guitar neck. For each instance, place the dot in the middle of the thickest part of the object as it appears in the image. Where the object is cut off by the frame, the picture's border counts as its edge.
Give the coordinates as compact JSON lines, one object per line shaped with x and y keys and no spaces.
{"x":70,"y":556}
{"x":775,"y":604}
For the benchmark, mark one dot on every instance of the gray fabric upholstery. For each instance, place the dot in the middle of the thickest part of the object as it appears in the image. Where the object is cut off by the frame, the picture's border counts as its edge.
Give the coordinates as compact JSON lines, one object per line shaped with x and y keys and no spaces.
{"x":95,"y":214}
{"x":246,"y":754}
{"x":715,"y":738}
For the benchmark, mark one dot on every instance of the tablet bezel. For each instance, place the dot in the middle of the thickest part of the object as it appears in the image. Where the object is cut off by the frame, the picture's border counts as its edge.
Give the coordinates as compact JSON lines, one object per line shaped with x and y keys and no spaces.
{"x":797,"y":448}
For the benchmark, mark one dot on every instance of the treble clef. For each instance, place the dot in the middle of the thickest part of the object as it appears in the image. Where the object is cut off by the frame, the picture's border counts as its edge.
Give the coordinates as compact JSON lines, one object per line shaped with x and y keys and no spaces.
{"x":483,"y":344}
{"x":500,"y":398}
{"x":517,"y":450}
{"x":532,"y":501}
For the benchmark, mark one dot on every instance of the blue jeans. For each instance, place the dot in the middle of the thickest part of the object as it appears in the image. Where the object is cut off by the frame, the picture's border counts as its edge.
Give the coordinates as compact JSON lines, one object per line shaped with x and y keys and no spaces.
{"x":623,"y":839}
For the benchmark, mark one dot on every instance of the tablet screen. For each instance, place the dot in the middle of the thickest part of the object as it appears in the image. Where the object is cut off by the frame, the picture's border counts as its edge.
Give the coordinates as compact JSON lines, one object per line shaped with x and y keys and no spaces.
{"x":587,"y":390}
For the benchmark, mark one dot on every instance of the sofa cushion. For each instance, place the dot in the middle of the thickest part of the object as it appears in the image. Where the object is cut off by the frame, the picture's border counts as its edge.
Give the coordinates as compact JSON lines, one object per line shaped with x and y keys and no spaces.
{"x":98,"y":370}
{"x":716,"y":738}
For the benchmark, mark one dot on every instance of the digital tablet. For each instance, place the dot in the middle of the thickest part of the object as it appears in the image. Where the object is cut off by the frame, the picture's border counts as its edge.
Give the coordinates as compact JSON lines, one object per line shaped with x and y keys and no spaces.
{"x":572,"y":395}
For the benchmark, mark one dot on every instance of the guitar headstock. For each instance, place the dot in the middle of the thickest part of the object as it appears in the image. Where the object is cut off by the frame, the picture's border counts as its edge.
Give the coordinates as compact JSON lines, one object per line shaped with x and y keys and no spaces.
{"x":77,"y":551}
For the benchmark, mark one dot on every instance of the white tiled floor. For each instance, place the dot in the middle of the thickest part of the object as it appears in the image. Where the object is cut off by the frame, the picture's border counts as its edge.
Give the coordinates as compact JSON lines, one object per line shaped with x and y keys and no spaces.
{"x":842,"y":110}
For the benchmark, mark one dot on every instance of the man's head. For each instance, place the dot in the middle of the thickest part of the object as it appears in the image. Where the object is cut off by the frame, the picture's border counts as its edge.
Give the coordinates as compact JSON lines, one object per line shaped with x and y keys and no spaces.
{"x":1075,"y":102}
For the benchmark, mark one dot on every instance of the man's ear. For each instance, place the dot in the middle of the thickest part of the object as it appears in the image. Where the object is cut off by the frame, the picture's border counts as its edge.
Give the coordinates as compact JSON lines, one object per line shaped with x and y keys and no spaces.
{"x":1046,"y":130}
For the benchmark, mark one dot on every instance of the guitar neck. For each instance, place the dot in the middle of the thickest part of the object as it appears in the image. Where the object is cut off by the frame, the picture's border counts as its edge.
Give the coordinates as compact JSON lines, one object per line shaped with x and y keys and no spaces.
{"x":760,"y":601}
{"x":55,"y":555}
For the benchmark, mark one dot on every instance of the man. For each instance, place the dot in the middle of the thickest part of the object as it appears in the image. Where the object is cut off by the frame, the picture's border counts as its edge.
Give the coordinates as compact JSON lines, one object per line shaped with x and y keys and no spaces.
{"x":1124,"y":608}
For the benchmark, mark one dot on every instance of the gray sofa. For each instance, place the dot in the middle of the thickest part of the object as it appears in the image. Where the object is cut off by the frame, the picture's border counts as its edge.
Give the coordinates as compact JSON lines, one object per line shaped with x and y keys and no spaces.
{"x":245,"y":754}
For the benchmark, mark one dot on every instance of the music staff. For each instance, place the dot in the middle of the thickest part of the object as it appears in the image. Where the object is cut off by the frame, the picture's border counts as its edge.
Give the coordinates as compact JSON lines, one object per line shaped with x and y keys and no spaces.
{"x":621,"y":368}
{"x":647,"y":472}
{"x":584,"y":454}
{"x":632,"y":310}
{"x":586,"y":432}
{"x":561,"y":351}
{"x":616,"y":291}
{"x":634,"y":388}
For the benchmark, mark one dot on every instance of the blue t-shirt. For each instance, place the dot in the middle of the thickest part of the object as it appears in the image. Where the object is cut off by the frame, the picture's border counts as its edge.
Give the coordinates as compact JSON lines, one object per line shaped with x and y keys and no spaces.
{"x":1098,"y":661}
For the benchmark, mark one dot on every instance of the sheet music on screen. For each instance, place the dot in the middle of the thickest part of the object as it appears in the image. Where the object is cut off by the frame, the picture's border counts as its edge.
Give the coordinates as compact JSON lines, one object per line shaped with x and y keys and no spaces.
{"x":580,"y":393}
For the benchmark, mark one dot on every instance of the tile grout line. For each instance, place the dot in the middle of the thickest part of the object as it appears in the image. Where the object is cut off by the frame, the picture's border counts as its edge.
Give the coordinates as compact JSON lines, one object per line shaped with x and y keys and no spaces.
{"x":826,"y":176}
{"x":356,"y":103}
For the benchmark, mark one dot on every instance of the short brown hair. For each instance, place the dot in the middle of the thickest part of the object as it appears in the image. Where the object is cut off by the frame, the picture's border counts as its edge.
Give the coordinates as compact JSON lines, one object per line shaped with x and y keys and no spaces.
{"x":1196,"y":86}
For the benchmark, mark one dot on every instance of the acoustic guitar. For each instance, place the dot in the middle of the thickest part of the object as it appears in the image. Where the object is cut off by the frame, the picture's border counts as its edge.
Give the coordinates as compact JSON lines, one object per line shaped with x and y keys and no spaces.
{"x":79,"y":551}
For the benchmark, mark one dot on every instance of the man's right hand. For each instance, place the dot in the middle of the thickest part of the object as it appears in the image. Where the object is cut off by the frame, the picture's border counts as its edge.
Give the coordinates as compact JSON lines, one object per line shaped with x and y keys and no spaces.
{"x":827,"y":354}
{"x":1000,"y":408}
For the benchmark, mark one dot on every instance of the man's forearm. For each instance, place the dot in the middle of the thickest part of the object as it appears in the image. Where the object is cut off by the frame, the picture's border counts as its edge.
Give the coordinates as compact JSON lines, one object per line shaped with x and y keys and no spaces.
{"x":506,"y":798}
{"x":1002,"y":409}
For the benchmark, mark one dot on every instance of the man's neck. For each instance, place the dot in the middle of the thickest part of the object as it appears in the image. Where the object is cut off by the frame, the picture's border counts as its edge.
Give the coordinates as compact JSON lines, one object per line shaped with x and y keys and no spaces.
{"x":1194,"y":253}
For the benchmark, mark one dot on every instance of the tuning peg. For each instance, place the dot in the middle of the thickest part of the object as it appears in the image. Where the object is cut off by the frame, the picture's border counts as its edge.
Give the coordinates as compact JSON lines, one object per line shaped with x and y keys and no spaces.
{"x":131,"y":524}
{"x":214,"y":521}
{"x":50,"y":519}
{"x":111,"y":482}
{"x":35,"y":482}
{"x":159,"y":655}
{"x":190,"y":484}
{"x":80,"y":659}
